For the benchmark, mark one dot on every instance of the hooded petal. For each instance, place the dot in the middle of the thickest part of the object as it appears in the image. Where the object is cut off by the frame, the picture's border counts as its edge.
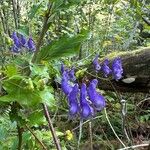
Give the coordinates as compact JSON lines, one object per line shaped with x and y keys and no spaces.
{"x":16,"y":40}
{"x":73,"y":94}
{"x":99,"y":102}
{"x":96,"y":63}
{"x":23,"y":40}
{"x":96,"y":98}
{"x":15,"y":49}
{"x":72,"y":74}
{"x":31,"y":44}
{"x":73,"y":102}
{"x":65,"y":86}
{"x":105,"y":68}
{"x":86,"y":109}
{"x":73,"y":108}
{"x":117,"y":68}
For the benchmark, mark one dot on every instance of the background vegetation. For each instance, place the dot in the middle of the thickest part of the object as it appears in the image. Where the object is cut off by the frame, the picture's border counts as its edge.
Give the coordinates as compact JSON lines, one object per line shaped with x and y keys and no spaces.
{"x":72,"y":32}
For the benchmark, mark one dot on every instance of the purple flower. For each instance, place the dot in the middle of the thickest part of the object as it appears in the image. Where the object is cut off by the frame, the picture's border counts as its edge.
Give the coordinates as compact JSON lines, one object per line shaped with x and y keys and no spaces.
{"x":72,"y":75}
{"x":86,"y":109}
{"x":22,"y":40}
{"x":16,"y":40}
{"x":31,"y":44}
{"x":74,"y":108}
{"x":96,"y":98}
{"x":73,"y":102}
{"x":15,"y":49}
{"x":65,"y":86}
{"x":105,"y":68}
{"x":96,"y":64}
{"x":117,"y":69}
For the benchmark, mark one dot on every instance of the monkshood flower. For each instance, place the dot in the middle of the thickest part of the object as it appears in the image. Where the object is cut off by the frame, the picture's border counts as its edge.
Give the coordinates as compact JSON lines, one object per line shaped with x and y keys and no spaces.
{"x":86,"y":109}
{"x":23,"y":40}
{"x":105,"y":68}
{"x":117,"y":69}
{"x":16,"y":40}
{"x":97,"y":99}
{"x":31,"y":44}
{"x":96,"y":63}
{"x":73,"y":102}
{"x":15,"y":49}
{"x":72,"y":75}
{"x":65,"y":86}
{"x":20,"y":41}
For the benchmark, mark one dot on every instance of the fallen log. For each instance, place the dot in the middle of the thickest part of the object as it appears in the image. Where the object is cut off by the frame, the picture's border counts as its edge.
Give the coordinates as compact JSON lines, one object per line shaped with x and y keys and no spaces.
{"x":136,"y":76}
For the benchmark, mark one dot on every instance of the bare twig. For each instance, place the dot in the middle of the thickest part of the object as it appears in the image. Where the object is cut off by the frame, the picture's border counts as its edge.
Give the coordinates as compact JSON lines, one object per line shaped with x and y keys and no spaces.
{"x":134,"y":146}
{"x":38,"y":140}
{"x":146,"y":99}
{"x":51,"y":127}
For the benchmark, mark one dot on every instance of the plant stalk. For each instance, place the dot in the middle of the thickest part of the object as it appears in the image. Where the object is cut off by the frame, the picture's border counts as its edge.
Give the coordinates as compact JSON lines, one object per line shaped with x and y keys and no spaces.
{"x":19,"y":137}
{"x":44,"y":29}
{"x":14,"y":13}
{"x":123,"y":113}
{"x":91,"y":138}
{"x":38,"y":140}
{"x":113,"y":128}
{"x":51,"y":127}
{"x":38,"y":45}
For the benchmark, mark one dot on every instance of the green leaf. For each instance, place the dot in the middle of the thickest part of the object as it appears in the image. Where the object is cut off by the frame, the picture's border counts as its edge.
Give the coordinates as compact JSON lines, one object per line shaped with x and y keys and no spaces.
{"x":34,"y":10}
{"x":62,"y":5}
{"x":39,"y":70}
{"x":66,"y":46}
{"x":37,"y":118}
{"x":47,"y":97}
{"x":18,"y":91}
{"x":11,"y":70}
{"x":57,"y":4}
{"x":80,"y":73}
{"x":24,"y":30}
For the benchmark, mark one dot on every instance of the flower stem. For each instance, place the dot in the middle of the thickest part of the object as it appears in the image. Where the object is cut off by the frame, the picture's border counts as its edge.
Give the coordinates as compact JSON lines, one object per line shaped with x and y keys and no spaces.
{"x":91,"y":138}
{"x":113,"y":128}
{"x":80,"y":133}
